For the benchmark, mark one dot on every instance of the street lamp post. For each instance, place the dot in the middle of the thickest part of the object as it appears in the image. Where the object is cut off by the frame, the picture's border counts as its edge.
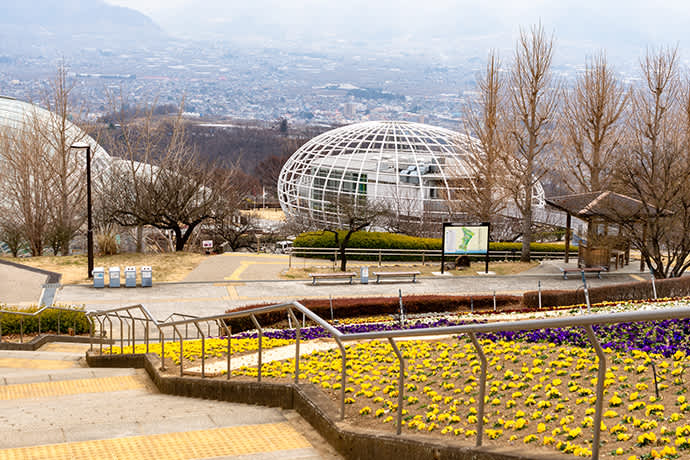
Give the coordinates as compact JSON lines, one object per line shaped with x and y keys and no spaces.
{"x":89,"y":224}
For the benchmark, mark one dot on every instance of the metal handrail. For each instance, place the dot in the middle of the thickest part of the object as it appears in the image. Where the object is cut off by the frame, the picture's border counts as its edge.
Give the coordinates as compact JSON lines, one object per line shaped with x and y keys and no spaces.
{"x":586,"y":321}
{"x":36,"y":313}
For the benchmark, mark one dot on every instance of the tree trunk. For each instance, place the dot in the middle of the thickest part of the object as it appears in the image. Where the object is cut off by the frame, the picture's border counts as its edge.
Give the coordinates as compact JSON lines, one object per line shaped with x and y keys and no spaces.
{"x":343,"y":259}
{"x":140,"y":239}
{"x":526,"y":235}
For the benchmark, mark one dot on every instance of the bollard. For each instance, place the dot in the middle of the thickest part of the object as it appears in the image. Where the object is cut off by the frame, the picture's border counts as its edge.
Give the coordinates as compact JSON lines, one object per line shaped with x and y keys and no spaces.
{"x":539,"y":289}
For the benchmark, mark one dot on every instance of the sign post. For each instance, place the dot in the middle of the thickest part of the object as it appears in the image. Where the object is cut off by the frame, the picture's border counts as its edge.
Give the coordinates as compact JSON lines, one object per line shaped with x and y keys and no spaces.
{"x":465,"y":239}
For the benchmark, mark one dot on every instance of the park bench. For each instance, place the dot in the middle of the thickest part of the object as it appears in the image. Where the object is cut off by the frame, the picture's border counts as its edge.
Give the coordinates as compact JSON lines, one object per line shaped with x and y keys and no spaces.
{"x":339,"y":275}
{"x":596,"y":270}
{"x":380,"y":275}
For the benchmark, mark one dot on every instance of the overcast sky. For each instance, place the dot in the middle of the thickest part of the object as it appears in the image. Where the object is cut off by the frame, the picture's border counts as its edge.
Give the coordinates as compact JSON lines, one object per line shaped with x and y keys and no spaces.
{"x":606,"y":23}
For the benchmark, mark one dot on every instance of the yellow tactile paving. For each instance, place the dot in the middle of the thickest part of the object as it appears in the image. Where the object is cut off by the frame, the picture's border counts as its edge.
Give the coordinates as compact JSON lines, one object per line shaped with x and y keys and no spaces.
{"x":18,"y":363}
{"x":71,"y":387}
{"x":237,"y":440}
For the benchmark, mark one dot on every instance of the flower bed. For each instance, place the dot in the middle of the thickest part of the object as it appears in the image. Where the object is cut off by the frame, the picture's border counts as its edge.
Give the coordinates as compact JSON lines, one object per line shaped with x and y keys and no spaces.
{"x":537,"y":394}
{"x":214,"y":348}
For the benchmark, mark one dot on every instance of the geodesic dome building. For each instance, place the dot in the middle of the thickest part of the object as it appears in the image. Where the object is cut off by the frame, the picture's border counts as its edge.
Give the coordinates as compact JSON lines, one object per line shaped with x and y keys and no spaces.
{"x":417,"y":171}
{"x":15,"y":115}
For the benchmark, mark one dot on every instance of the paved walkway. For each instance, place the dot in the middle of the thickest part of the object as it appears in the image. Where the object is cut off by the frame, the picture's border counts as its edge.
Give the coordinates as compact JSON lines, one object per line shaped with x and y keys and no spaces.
{"x":212,"y":298}
{"x":19,"y":286}
{"x":51,"y":407}
{"x":236,"y":266}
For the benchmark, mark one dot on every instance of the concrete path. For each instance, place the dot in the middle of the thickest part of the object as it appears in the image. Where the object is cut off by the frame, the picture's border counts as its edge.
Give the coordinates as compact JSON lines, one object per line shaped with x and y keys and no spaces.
{"x":53,"y":407}
{"x":212,"y":298}
{"x":20,"y":286}
{"x":236,"y":266}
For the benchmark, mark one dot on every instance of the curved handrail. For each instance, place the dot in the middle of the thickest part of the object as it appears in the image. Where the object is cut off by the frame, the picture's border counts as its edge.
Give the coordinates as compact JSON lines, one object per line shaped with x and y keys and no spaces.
{"x":586,"y":321}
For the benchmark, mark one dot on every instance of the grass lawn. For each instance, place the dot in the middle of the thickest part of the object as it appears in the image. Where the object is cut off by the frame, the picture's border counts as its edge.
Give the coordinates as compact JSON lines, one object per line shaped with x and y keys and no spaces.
{"x":166,"y":266}
{"x":500,"y":268}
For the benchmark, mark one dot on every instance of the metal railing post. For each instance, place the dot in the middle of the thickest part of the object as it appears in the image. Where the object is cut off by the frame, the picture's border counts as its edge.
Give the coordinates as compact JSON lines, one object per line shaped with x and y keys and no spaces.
{"x":343,"y":377}
{"x":91,"y":332}
{"x":100,"y":327}
{"x":298,"y":333}
{"x":261,"y":339}
{"x":601,"y":376}
{"x":651,"y":273}
{"x":21,"y":329}
{"x":181,"y":350}
{"x":110,"y":323}
{"x":203,"y":349}
{"x":161,"y":334}
{"x":122,"y":333}
{"x":584,"y":284}
{"x":228,"y":331}
{"x":401,"y":385}
{"x":482,"y":388}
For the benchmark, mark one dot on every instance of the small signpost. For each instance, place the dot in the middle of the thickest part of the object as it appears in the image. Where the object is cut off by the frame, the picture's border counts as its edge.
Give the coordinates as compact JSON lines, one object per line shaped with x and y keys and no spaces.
{"x":207,"y":245}
{"x":465,"y":239}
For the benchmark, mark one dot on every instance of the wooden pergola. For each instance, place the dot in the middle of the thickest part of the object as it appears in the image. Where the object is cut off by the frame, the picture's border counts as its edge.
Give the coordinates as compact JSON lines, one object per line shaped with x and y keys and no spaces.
{"x":601,"y":207}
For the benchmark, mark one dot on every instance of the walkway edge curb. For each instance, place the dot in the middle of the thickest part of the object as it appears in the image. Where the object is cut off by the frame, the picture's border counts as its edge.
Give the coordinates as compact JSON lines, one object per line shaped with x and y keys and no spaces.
{"x":315,"y":407}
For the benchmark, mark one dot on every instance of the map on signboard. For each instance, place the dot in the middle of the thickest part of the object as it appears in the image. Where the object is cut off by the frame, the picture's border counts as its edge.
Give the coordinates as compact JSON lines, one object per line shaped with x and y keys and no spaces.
{"x":466,"y":240}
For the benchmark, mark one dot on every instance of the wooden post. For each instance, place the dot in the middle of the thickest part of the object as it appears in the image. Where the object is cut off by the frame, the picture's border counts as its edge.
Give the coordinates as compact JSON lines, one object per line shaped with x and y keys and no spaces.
{"x":567,"y":238}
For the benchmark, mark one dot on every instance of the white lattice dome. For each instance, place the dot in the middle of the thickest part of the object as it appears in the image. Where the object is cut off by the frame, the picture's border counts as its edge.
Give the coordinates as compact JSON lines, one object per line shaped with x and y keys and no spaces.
{"x":16,"y":115}
{"x":418,"y":171}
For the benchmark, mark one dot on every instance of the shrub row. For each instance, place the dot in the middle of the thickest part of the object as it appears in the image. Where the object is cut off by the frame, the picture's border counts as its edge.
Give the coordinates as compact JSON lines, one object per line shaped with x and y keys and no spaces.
{"x":381,"y":240}
{"x":357,"y":307}
{"x":639,"y":290}
{"x":11,"y":324}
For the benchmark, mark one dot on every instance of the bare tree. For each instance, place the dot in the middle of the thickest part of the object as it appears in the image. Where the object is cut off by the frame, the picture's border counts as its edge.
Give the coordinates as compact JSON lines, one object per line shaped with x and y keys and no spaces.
{"x":592,"y":128}
{"x":656,"y":169}
{"x":11,"y":234}
{"x":532,"y":110}
{"x":162,"y":182}
{"x":25,"y":182}
{"x":228,"y":224}
{"x":65,"y":167}
{"x":485,"y":120}
{"x":356,"y":213}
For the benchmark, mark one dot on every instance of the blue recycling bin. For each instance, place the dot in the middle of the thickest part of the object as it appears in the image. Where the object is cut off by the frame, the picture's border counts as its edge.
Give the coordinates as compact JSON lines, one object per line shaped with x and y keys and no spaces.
{"x":130,"y":277}
{"x":146,"y":276}
{"x":114,"y":277}
{"x":98,"y":277}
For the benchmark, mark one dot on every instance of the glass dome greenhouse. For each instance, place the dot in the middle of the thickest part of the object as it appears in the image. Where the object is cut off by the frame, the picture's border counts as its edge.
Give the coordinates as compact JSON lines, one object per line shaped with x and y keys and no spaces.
{"x":417,"y":171}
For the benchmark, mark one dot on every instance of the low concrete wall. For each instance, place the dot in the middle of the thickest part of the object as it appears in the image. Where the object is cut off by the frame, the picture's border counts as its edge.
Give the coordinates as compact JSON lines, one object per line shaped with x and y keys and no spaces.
{"x":37,"y":342}
{"x":352,"y":442}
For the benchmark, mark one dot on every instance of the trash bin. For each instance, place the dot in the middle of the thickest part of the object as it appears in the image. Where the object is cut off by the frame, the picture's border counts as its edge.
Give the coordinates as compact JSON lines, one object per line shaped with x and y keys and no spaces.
{"x":364,"y":275}
{"x":98,"y":277}
{"x":114,"y":276}
{"x":130,"y":277}
{"x":146,"y":276}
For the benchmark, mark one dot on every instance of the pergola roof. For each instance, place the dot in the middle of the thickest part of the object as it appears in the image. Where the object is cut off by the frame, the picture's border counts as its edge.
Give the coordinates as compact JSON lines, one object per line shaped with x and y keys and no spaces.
{"x":605,"y":204}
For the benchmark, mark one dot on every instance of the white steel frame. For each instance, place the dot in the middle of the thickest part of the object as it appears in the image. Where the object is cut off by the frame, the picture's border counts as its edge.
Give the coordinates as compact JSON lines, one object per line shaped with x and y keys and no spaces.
{"x":418,"y":170}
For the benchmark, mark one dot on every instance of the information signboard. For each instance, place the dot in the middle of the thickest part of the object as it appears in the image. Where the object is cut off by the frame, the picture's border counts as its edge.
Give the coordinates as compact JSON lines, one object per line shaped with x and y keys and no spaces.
{"x":465,"y":239}
{"x":207,"y":244}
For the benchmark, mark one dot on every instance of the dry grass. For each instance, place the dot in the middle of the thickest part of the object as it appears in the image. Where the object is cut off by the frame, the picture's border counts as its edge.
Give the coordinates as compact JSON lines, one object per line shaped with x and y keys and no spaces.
{"x":299,"y":271}
{"x":166,"y":266}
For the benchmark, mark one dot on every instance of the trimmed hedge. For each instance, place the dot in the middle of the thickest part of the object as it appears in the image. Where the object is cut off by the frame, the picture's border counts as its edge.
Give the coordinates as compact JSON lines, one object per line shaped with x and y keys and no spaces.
{"x":76,"y":320}
{"x":639,"y":290}
{"x":357,"y":307}
{"x":381,"y":240}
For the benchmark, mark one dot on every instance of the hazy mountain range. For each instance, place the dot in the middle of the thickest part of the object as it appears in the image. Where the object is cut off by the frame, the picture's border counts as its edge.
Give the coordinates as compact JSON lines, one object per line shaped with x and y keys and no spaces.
{"x":46,"y":27}
{"x":442,"y":27}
